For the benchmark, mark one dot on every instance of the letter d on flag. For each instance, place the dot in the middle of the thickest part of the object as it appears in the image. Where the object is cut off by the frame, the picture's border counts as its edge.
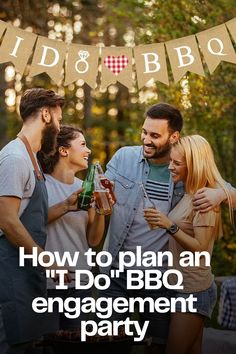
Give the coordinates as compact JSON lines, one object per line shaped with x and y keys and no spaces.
{"x":49,"y":57}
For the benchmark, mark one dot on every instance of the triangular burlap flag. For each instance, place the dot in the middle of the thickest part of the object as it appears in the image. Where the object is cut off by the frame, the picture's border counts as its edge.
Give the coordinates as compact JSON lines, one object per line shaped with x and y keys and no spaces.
{"x":82,"y":63}
{"x":3,"y":26}
{"x":49,"y":56}
{"x":150,"y":62}
{"x":232,"y":28}
{"x":17,"y":46}
{"x":116,"y":66}
{"x":216,"y":46}
{"x":184,"y":56}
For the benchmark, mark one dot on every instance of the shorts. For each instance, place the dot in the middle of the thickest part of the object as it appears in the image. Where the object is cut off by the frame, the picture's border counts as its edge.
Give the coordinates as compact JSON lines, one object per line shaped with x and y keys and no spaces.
{"x":205,"y":303}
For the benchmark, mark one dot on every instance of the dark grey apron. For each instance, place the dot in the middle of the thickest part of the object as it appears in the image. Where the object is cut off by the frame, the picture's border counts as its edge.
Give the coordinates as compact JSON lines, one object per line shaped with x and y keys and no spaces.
{"x":20,"y":285}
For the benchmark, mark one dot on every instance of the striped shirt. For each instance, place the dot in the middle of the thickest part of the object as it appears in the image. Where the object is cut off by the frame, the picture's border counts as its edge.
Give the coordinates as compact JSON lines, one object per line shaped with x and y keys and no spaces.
{"x":157,"y":190}
{"x":158,"y":182}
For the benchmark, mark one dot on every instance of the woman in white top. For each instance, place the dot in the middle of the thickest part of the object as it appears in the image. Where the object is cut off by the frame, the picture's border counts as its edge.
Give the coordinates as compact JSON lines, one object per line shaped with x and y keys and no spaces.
{"x":69,"y":229}
{"x":192,"y":162}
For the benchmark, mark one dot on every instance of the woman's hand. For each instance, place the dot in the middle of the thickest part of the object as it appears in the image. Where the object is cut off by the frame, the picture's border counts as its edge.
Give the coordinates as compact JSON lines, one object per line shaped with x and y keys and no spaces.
{"x":60,"y":209}
{"x":71,"y":201}
{"x":157,"y":219}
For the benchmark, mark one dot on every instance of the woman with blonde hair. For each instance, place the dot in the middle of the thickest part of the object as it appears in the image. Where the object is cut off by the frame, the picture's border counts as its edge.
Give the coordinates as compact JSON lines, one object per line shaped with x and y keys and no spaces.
{"x":192,"y":162}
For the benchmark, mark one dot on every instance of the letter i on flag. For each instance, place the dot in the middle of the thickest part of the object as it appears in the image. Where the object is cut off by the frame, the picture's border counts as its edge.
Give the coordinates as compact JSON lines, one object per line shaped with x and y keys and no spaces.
{"x":150,"y":62}
{"x":17,"y":46}
{"x":49,"y":57}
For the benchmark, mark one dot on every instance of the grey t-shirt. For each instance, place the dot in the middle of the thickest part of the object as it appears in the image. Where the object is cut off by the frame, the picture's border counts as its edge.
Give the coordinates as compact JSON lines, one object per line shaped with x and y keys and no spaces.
{"x":16,"y":173}
{"x":67,"y":233}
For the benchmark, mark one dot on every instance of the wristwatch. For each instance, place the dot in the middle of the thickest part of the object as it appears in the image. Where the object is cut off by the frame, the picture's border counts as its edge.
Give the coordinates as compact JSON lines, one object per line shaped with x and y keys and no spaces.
{"x":172,"y":229}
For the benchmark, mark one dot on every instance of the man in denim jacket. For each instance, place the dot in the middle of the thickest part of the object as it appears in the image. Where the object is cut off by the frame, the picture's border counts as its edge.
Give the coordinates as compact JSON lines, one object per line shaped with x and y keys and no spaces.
{"x":147,"y":164}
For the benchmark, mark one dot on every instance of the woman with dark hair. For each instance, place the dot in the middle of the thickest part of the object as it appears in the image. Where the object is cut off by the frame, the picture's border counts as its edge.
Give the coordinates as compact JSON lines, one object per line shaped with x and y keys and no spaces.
{"x":69,"y":229}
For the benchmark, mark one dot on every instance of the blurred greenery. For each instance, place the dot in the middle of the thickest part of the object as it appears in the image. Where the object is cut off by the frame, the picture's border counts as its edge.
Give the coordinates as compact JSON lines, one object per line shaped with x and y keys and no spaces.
{"x":112,"y":118}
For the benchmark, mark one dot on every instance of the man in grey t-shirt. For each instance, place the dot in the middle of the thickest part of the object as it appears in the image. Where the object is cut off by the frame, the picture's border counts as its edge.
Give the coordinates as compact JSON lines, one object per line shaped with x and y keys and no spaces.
{"x":23,"y":217}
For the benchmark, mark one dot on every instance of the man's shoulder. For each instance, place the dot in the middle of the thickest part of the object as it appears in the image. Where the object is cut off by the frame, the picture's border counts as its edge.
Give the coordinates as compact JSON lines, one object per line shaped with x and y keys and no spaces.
{"x":128,"y":151}
{"x":14,"y":159}
{"x":13,"y":150}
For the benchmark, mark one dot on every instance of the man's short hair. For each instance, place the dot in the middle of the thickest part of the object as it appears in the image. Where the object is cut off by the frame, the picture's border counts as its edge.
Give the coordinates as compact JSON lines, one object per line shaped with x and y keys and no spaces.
{"x":34,"y":99}
{"x":167,"y":112}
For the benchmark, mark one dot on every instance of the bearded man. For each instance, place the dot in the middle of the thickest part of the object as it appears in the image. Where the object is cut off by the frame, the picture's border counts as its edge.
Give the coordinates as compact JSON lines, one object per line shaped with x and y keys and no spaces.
{"x":23,"y":217}
{"x":147,"y":164}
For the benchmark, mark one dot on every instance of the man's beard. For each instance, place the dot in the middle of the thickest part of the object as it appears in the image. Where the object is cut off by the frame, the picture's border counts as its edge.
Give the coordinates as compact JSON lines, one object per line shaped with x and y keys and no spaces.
{"x":158,"y":152}
{"x":49,"y":139}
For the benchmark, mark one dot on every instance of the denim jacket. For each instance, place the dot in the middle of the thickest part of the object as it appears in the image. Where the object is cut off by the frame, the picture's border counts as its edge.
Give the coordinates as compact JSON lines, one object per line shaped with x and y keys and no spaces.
{"x":127,"y":169}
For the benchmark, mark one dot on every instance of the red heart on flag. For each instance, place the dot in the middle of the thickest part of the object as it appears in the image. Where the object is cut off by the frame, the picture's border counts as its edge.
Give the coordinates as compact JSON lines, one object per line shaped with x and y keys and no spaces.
{"x":116,"y":64}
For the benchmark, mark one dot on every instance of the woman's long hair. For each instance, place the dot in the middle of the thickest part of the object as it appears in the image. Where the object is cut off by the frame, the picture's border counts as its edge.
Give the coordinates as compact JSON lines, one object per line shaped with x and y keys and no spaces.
{"x":201,"y":167}
{"x":65,"y":136}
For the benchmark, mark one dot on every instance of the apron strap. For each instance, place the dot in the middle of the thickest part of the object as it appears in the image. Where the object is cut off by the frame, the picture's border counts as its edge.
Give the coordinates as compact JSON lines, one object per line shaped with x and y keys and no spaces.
{"x":31,"y":155}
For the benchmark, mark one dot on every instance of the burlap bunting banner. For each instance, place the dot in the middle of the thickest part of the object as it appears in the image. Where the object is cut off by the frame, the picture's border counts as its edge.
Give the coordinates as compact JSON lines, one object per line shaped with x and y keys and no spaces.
{"x":184,"y":56}
{"x":116,"y":66}
{"x":17,"y":46}
{"x":3,"y":26}
{"x":150,"y":62}
{"x":216,"y":46}
{"x":82,"y":63}
{"x":232,"y":28}
{"x":49,"y":57}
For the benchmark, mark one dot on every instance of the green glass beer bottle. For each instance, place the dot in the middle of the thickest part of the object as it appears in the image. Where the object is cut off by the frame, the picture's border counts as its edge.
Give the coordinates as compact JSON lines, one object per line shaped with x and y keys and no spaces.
{"x":85,"y":196}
